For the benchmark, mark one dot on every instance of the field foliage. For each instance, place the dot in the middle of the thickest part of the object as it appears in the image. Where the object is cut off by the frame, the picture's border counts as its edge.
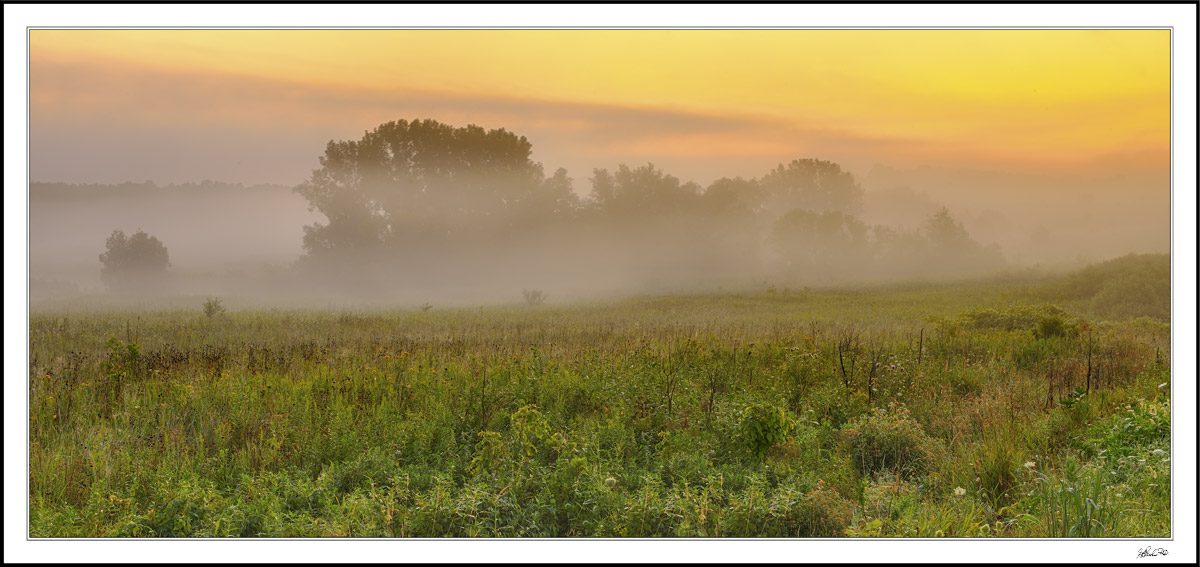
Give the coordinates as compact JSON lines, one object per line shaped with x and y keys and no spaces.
{"x":962,"y":410}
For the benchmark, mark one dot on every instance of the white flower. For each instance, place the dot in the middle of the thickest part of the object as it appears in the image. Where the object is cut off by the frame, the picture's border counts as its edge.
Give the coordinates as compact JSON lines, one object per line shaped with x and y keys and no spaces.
{"x":1029,"y":465}
{"x":959,"y":491}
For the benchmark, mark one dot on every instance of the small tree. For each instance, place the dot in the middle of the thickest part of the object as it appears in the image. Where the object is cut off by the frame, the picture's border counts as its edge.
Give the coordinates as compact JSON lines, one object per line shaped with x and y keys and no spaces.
{"x":213,"y":307}
{"x":534,"y":297}
{"x":137,"y":262}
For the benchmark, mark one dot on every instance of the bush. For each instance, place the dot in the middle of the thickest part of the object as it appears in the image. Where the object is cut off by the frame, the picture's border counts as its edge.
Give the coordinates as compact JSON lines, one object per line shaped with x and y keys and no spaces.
{"x":834,"y":405}
{"x":823,"y":513}
{"x":1054,"y":325}
{"x":761,"y":426}
{"x":213,"y":307}
{"x":889,"y":440}
{"x":1015,"y":318}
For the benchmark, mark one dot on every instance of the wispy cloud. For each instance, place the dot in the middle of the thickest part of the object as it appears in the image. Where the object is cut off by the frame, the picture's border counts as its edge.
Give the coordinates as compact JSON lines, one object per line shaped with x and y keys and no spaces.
{"x":230,"y":118}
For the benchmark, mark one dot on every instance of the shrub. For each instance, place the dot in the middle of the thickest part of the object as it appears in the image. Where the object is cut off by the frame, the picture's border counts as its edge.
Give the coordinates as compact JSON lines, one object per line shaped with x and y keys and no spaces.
{"x":834,"y":405}
{"x":889,"y":440}
{"x":213,"y":307}
{"x":1054,"y":325}
{"x":491,"y":454}
{"x":823,"y":513}
{"x":1045,"y":321}
{"x":761,"y":426}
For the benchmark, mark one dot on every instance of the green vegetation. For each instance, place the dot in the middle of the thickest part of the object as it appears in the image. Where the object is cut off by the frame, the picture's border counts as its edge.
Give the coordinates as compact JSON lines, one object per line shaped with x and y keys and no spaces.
{"x":922,"y":411}
{"x":1136,"y":285}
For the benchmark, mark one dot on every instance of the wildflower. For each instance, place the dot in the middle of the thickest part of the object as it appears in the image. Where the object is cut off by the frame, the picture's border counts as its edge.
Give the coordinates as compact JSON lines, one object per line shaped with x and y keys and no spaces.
{"x":959,"y":491}
{"x":1029,"y":465}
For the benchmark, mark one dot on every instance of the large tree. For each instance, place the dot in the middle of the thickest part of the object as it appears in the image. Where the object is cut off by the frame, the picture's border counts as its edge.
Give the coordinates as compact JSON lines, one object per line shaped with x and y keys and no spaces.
{"x":413,"y":183}
{"x":814,"y":185}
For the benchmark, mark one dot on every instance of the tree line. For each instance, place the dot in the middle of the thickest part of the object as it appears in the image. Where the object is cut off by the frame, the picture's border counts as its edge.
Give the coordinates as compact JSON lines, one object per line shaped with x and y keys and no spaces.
{"x":408,"y":193}
{"x":422,"y":202}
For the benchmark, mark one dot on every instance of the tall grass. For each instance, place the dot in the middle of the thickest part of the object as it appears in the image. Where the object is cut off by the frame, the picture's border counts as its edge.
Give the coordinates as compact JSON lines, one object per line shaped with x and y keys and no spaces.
{"x":703,"y":416}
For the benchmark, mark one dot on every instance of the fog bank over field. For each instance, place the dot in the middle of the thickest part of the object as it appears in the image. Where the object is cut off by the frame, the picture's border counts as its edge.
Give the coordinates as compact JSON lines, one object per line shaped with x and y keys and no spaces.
{"x":418,"y":212}
{"x":1036,"y":218}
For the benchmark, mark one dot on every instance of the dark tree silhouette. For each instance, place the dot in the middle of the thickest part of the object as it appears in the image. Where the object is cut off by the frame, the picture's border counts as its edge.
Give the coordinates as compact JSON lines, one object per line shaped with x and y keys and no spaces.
{"x":814,"y":185}
{"x":733,"y":197}
{"x":821,"y":245}
{"x":640,"y":193}
{"x":946,"y":234}
{"x":134,"y":263}
{"x":952,"y":250}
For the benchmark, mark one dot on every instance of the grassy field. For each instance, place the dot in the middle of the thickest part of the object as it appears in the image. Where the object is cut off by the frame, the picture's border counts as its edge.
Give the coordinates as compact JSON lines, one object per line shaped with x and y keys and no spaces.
{"x":987,"y":409}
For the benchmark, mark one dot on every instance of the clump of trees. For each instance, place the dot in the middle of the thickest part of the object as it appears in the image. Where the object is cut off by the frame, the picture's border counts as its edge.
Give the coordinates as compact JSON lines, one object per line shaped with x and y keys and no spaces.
{"x":134,"y":263}
{"x":407,"y":195}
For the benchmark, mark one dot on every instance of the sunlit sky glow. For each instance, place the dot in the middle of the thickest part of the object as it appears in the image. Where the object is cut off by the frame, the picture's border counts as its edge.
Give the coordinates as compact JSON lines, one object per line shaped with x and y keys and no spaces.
{"x":259,"y":105}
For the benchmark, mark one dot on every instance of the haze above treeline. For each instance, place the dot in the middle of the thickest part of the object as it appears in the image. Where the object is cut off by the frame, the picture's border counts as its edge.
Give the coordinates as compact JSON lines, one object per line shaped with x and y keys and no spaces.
{"x":426,"y":211}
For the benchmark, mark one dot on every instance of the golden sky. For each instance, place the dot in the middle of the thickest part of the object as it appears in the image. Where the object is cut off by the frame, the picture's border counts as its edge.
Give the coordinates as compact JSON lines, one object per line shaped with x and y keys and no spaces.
{"x":701,"y":103}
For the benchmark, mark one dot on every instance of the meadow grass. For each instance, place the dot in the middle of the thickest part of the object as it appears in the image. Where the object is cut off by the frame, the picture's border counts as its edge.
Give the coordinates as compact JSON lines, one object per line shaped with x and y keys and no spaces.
{"x":965,"y":410}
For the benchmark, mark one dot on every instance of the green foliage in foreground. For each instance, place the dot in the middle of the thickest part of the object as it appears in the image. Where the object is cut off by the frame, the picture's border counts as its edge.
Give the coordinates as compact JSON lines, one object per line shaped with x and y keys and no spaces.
{"x":920,"y":412}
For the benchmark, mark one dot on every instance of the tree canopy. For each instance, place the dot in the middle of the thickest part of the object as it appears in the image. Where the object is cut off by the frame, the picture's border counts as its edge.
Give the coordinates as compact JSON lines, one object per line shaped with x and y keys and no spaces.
{"x":640,"y":192}
{"x":406,"y":181}
{"x":815,"y":185}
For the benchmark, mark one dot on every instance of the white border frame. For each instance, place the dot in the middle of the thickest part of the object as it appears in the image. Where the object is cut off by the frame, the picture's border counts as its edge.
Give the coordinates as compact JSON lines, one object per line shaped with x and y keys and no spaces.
{"x":1180,"y":17}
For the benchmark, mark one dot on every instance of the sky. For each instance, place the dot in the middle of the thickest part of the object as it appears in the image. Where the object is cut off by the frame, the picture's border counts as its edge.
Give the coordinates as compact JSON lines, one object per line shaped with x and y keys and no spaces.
{"x":258,"y":106}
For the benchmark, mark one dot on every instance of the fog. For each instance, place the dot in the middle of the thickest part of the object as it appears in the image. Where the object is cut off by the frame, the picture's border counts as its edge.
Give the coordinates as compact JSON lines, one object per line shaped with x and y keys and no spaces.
{"x":424,"y":213}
